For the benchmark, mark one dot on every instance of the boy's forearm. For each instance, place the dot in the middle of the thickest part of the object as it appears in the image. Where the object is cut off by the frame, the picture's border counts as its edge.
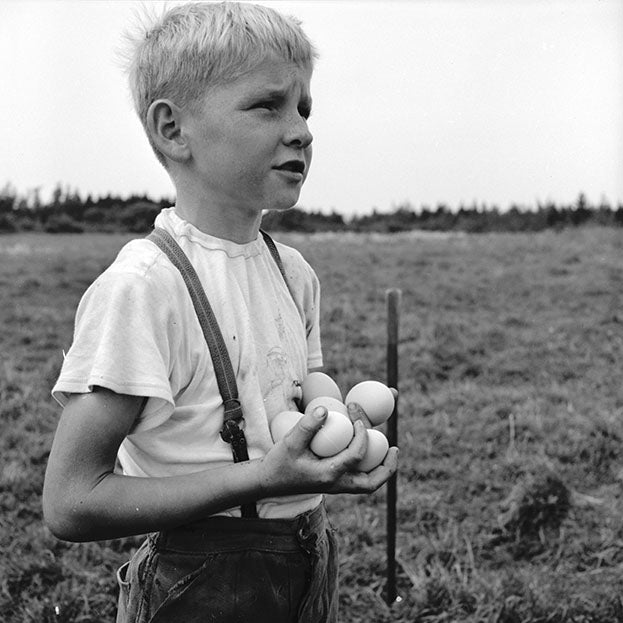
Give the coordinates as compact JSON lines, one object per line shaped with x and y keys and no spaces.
{"x":84,"y":500}
{"x":119,"y":506}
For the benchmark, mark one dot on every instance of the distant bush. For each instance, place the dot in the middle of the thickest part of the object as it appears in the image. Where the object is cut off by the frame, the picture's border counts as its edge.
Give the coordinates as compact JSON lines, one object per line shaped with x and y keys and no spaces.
{"x":138,"y":217}
{"x":7,"y":223}
{"x":7,"y":203}
{"x":62,"y":224}
{"x":95,"y":216}
{"x":296,"y":219}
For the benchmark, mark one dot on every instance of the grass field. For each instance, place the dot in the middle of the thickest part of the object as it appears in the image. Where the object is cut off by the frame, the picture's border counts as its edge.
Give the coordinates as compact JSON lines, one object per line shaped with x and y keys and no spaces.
{"x":511,"y":424}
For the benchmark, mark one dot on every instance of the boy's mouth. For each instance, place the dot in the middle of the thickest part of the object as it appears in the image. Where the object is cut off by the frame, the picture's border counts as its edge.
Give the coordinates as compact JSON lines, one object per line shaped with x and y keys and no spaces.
{"x":294,"y":166}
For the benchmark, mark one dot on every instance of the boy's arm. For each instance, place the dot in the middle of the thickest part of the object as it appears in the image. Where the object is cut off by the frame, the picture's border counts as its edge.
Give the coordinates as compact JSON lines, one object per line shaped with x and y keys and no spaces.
{"x":84,"y":500}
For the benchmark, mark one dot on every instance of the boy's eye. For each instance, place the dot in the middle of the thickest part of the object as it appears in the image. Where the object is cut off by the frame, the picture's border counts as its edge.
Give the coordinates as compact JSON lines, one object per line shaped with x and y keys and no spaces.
{"x":265,"y":105}
{"x":272,"y":105}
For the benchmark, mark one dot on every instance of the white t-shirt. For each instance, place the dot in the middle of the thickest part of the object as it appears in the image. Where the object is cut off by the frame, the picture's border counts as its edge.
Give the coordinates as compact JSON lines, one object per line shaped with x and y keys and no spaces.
{"x":137,"y":333}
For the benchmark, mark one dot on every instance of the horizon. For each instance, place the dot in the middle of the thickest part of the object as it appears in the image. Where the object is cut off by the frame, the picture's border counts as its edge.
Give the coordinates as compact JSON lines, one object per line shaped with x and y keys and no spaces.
{"x":32,"y":200}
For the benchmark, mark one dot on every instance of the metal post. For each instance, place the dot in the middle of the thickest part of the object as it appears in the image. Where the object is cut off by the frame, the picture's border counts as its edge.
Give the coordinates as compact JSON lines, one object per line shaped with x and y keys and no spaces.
{"x":393,"y":297}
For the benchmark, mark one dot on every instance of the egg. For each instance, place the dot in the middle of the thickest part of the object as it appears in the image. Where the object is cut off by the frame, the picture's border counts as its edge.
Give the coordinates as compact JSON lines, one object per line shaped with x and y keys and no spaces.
{"x":282,"y":423}
{"x":374,"y":398}
{"x":330,"y":404}
{"x":317,"y":384}
{"x":376,"y":451}
{"x":335,"y":434}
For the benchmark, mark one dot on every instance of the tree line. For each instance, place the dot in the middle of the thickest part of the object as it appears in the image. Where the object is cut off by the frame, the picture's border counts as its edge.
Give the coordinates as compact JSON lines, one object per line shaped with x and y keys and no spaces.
{"x":67,"y":211}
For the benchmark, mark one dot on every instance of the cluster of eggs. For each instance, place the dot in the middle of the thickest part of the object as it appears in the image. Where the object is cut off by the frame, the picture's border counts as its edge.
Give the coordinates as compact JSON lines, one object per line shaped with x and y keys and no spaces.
{"x":320,"y":390}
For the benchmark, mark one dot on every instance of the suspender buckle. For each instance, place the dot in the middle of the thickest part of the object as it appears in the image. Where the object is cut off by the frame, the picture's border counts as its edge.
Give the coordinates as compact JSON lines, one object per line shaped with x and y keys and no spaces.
{"x":232,"y":434}
{"x":233,"y":409}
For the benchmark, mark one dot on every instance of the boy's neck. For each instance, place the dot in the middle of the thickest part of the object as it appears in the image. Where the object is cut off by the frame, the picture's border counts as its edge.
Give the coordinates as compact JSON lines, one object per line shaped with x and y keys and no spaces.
{"x":235,"y":225}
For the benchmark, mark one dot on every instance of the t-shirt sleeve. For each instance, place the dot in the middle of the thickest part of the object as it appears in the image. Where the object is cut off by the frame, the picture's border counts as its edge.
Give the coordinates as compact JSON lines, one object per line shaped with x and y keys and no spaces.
{"x":124,"y":340}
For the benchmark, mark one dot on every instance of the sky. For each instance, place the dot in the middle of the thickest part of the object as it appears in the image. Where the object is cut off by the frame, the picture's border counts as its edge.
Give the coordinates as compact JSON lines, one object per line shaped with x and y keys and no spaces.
{"x":418,"y":101}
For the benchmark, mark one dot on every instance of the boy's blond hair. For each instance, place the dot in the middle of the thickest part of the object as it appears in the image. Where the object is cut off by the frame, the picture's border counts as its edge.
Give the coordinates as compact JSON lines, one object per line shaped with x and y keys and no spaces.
{"x":197,"y":45}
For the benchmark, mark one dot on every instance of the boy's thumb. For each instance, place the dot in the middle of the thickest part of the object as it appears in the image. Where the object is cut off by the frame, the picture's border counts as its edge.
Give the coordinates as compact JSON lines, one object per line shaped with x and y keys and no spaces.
{"x":320,"y":413}
{"x":311,"y":423}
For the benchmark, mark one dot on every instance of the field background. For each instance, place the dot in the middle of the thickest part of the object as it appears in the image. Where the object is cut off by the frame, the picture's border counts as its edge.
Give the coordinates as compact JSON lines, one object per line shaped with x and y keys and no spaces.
{"x":511,"y":423}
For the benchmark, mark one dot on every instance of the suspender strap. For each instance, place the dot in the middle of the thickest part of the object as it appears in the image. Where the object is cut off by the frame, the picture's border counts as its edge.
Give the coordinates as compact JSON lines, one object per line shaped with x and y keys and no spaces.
{"x":272,"y":247}
{"x":225,"y":377}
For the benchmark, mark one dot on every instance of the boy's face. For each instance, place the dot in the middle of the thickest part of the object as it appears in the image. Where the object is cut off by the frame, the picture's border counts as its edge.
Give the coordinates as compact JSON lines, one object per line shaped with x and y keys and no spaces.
{"x":250,"y":144}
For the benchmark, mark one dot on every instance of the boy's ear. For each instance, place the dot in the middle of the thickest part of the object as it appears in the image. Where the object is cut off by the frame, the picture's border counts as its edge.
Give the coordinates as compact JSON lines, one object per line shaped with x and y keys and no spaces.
{"x":164,"y":126}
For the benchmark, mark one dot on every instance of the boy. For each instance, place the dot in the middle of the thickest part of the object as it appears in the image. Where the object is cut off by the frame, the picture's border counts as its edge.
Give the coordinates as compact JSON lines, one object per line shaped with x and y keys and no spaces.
{"x":223,"y":91}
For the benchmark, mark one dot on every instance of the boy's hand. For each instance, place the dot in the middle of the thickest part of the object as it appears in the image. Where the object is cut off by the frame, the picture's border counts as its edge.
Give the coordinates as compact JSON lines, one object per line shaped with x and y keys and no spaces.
{"x":291,"y":467}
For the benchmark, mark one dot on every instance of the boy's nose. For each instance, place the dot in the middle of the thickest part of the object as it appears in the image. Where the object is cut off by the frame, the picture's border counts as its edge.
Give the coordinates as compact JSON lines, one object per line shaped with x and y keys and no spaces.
{"x":298,"y":134}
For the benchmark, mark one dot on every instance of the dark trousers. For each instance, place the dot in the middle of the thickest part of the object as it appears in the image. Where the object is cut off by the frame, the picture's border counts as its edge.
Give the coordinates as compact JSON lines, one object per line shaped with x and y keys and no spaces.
{"x":234,"y":570}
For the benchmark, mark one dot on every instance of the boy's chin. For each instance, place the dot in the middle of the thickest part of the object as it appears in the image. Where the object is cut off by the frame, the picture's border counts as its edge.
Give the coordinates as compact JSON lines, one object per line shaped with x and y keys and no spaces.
{"x":282,"y":204}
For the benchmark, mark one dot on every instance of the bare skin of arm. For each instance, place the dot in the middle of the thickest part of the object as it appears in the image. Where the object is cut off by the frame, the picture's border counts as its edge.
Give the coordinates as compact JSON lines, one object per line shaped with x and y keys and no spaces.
{"x":84,"y":500}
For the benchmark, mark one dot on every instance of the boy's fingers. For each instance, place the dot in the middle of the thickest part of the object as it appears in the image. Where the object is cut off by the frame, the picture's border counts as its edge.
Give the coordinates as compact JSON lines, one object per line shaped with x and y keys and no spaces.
{"x":355,"y":412}
{"x":391,"y":459}
{"x":359,"y":443}
{"x":394,"y":392}
{"x":383,"y":472}
{"x":360,"y":482}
